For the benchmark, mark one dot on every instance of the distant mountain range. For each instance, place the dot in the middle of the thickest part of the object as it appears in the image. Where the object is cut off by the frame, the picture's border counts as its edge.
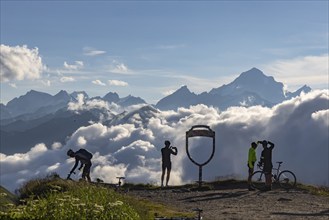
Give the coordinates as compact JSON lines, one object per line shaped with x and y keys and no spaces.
{"x":38,"y":117}
{"x":250,"y":88}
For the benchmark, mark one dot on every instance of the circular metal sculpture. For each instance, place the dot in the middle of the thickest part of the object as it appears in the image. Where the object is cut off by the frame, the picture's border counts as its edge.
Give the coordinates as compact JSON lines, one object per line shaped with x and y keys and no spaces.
{"x":200,"y":131}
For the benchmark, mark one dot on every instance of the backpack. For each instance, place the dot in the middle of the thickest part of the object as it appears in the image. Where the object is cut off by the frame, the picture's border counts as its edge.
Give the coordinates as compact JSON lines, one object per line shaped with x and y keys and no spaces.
{"x":85,"y":153}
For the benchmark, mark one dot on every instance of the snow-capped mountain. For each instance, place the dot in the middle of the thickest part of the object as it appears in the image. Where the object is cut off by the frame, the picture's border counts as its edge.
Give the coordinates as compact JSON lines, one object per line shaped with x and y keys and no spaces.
{"x":36,"y":104}
{"x":34,"y":100}
{"x":251,"y":88}
{"x":254,"y":81}
{"x":29,"y":115}
{"x":183,"y":97}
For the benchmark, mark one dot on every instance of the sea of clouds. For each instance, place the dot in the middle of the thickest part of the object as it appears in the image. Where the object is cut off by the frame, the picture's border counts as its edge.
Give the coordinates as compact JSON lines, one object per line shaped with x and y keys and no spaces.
{"x":299,"y":128}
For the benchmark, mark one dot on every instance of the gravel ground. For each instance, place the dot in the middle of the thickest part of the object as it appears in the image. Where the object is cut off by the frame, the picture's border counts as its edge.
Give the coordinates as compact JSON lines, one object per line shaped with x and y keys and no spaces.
{"x":236,"y":202}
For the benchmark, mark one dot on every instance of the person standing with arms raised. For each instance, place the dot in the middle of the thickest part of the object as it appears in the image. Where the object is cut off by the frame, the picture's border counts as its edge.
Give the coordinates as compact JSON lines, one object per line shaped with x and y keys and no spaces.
{"x":166,"y":161}
{"x":266,"y":160}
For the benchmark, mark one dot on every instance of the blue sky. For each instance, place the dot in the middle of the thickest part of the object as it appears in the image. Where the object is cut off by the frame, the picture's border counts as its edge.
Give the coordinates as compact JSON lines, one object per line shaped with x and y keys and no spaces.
{"x":149,"y":49}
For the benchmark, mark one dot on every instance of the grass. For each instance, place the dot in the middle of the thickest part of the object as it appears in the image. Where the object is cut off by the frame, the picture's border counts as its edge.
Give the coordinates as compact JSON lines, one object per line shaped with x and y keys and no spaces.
{"x":7,"y":199}
{"x":55,"y":198}
{"x":316,"y":190}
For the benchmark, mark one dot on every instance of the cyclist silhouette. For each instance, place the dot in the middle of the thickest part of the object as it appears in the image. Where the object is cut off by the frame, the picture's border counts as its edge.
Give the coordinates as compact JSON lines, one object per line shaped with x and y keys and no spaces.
{"x":84,"y":157}
{"x":251,"y":163}
{"x":166,"y":161}
{"x":266,"y":160}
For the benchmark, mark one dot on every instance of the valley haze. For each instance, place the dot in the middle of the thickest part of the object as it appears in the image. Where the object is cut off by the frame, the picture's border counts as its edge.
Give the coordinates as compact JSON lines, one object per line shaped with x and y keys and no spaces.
{"x":125,"y":134}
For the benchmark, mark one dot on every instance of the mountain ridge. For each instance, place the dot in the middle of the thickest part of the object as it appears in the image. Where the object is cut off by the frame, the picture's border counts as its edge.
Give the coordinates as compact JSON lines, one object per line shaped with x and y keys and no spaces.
{"x":250,"y":88}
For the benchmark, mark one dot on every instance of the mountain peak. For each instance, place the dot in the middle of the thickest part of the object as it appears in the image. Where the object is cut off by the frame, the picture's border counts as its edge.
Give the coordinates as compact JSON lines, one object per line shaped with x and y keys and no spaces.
{"x":62,"y":93}
{"x":254,"y":81}
{"x":111,"y":97}
{"x":170,"y":101}
{"x":253,"y":74}
{"x":183,"y":89}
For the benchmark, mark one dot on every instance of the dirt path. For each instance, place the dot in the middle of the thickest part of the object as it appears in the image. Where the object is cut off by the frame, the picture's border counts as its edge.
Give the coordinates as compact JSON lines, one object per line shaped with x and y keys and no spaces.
{"x":237,"y":202}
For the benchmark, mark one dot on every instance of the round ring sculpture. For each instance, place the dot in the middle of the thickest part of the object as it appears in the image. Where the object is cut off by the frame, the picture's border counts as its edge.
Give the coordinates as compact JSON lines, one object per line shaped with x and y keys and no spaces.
{"x":200,"y":131}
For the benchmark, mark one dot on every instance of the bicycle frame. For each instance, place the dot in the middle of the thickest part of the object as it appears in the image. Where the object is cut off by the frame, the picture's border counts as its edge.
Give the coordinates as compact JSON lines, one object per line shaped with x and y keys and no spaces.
{"x":278,"y":171}
{"x":285,"y":178}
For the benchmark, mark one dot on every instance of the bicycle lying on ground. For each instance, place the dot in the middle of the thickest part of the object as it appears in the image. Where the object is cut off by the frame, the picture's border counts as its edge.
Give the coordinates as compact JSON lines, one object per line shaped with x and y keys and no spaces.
{"x":286,"y":179}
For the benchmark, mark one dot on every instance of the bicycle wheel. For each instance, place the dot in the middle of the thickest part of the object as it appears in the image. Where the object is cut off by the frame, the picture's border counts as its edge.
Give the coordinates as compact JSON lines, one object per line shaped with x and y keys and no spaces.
{"x":287,"y":179}
{"x":258,"y":180}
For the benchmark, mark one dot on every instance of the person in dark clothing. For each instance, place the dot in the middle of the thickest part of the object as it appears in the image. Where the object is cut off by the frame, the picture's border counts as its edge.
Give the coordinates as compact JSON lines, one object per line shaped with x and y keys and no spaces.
{"x":84,"y":157}
{"x":266,"y":161}
{"x":166,"y":161}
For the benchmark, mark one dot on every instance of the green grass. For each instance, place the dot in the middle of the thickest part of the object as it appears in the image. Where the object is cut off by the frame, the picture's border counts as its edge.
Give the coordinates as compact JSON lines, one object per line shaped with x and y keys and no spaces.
{"x":55,"y":198}
{"x":7,"y":199}
{"x":316,"y":190}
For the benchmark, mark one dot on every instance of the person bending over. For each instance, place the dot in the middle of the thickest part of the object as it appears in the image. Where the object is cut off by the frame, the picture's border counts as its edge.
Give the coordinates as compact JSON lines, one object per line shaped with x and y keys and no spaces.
{"x":84,"y":157}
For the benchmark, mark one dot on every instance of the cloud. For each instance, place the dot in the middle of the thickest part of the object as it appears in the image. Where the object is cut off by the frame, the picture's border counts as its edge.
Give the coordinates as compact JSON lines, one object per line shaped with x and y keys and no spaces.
{"x":297,"y":71}
{"x":19,"y":63}
{"x":117,"y":83}
{"x":13,"y":85}
{"x":118,"y":67}
{"x":45,"y":82}
{"x":168,"y":92}
{"x":76,"y":66}
{"x":132,"y":147}
{"x":87,"y":105}
{"x":98,"y":82}
{"x":89,"y":51}
{"x":65,"y":79}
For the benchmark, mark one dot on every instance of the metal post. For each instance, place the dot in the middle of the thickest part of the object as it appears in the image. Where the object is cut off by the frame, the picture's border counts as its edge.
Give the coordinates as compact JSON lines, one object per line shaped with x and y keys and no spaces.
{"x":200,"y":176}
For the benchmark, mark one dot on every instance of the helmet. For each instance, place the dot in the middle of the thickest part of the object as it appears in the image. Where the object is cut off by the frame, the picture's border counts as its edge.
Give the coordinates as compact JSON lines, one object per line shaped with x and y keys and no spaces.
{"x":70,"y":152}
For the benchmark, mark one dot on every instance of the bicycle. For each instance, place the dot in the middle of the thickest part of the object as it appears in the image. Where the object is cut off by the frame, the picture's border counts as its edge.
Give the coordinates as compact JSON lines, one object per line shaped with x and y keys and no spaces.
{"x":286,"y":178}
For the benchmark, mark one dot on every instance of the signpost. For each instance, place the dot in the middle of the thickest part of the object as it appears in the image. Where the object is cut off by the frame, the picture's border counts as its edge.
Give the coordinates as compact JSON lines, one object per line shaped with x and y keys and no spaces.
{"x":200,"y":131}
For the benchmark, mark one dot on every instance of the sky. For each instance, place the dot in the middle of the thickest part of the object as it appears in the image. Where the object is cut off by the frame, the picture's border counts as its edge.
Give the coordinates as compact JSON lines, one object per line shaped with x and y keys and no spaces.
{"x":151,"y":48}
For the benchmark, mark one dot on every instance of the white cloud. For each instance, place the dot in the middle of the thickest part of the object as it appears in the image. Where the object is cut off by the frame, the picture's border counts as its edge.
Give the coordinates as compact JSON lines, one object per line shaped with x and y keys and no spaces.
{"x":89,"y":51}
{"x":65,"y":79}
{"x":19,"y":63}
{"x":98,"y":82}
{"x":168,"y":92}
{"x":118,"y":67}
{"x":311,"y":69}
{"x":13,"y":85}
{"x":117,"y":83}
{"x":298,"y":127}
{"x":56,"y":145}
{"x":82,"y":105}
{"x":76,"y":66}
{"x":46,"y":82}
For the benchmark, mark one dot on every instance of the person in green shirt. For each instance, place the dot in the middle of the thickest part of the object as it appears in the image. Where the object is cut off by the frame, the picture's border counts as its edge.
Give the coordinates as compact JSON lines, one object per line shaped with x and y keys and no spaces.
{"x":251,"y":163}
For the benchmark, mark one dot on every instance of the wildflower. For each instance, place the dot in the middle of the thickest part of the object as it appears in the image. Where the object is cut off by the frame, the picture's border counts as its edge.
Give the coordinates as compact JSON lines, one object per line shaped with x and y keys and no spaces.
{"x":100,"y":207}
{"x":3,"y":194}
{"x":56,"y":187}
{"x":116,"y":203}
{"x":75,"y":199}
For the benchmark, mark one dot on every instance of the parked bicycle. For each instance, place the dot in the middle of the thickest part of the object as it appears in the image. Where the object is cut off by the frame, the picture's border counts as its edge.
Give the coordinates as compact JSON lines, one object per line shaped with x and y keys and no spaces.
{"x":286,"y":179}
